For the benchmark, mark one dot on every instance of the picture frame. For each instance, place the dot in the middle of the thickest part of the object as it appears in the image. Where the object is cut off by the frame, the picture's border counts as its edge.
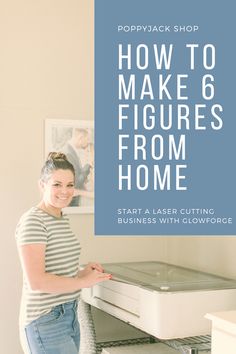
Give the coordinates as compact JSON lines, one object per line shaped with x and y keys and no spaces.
{"x":75,"y":138}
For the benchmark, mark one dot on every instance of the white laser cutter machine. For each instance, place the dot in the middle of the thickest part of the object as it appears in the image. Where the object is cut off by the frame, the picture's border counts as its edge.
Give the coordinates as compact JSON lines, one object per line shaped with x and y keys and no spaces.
{"x":162,"y":299}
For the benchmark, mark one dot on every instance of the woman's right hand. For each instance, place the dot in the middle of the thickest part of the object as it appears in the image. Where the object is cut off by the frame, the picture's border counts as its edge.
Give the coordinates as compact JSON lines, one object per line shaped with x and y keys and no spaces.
{"x":92,"y":277}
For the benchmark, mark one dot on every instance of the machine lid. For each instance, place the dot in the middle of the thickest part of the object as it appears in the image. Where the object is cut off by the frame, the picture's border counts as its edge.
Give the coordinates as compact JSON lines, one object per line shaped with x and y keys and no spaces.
{"x":165,"y":277}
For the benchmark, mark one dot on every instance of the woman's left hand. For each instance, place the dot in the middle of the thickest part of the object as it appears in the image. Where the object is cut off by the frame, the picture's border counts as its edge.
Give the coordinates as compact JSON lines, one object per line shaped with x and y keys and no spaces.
{"x":91,"y":266}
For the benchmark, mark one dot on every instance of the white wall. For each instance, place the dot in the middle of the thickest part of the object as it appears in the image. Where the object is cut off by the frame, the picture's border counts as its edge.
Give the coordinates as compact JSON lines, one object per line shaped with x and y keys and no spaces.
{"x":46,"y":71}
{"x":213,"y":254}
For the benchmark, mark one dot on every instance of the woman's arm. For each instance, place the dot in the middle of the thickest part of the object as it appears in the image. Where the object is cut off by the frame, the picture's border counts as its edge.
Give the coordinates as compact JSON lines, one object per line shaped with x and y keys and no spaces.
{"x":90,"y":266}
{"x":33,"y":261}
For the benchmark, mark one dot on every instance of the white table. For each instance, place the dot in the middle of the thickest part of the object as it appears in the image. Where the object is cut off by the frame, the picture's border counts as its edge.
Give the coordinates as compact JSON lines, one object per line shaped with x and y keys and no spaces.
{"x":223,"y":332}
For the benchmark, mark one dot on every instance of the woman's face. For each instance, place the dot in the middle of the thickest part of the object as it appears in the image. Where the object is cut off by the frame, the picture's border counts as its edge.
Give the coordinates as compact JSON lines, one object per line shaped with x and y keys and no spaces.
{"x":59,"y":189}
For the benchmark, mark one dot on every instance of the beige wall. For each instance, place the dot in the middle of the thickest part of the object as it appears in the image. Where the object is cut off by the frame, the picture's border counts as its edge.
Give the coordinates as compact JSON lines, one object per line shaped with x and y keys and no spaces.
{"x":213,"y":254}
{"x":46,"y":71}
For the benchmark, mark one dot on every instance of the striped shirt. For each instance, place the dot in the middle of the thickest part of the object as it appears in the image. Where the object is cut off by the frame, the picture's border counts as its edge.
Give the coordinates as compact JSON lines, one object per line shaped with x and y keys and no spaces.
{"x":61,"y":258}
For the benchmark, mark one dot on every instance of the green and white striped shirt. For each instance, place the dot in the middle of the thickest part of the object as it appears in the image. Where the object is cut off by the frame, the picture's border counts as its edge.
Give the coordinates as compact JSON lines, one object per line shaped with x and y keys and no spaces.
{"x":61,"y":258}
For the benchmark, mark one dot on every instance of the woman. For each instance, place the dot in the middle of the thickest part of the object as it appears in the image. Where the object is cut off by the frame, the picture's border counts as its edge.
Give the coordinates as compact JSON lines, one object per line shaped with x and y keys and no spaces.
{"x":49,"y":254}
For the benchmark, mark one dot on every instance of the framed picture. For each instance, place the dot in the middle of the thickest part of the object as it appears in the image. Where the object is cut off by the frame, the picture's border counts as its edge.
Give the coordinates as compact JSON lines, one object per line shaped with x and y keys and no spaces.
{"x":75,"y":138}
